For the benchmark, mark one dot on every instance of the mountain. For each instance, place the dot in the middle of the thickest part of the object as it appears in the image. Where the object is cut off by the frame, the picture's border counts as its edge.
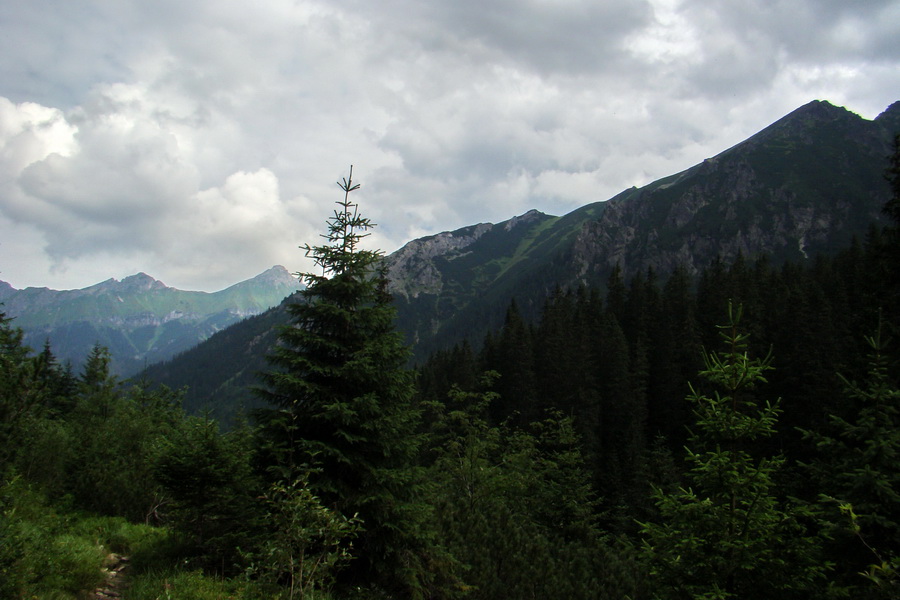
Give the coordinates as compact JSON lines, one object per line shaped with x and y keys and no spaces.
{"x":806,"y":184}
{"x":140,"y":319}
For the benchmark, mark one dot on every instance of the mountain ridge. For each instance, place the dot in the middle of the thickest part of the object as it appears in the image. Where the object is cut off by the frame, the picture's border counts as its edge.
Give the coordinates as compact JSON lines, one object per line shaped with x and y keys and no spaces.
{"x":806,"y":184}
{"x":140,"y":319}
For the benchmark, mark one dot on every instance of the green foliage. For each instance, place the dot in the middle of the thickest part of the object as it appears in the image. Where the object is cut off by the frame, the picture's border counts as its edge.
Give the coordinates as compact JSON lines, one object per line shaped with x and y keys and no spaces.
{"x":211,"y":491}
{"x":39,"y":556}
{"x":856,"y":468}
{"x":112,"y":437}
{"x":21,"y":391}
{"x":182,"y":584}
{"x":517,"y":510}
{"x":308,"y":543}
{"x":727,"y":534}
{"x":343,"y":406}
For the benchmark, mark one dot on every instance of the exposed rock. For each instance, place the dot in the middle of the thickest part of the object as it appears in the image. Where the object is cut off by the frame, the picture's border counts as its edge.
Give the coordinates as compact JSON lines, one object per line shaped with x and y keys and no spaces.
{"x":411,"y":269}
{"x":115,"y":569}
{"x":529,"y":217}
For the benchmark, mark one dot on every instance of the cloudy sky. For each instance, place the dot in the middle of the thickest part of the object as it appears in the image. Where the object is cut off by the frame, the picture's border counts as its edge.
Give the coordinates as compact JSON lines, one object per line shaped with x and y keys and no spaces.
{"x":200,"y":141}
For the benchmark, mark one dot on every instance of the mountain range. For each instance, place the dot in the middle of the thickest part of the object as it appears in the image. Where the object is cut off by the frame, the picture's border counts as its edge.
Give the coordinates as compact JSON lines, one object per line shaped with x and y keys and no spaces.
{"x":139,"y":319}
{"x":807,"y":184}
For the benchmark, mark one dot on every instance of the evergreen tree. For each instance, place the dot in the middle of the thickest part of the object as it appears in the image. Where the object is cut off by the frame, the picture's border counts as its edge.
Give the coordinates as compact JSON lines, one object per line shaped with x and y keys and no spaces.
{"x":857,"y":471}
{"x":59,"y":381}
{"x":621,"y":421}
{"x":892,"y":174}
{"x":96,"y":381}
{"x":727,"y":534}
{"x":22,"y":393}
{"x":514,"y":360}
{"x":516,"y":507}
{"x":343,"y":412}
{"x":112,"y":435}
{"x":557,"y":355}
{"x":675,"y":349}
{"x":892,"y":245}
{"x":207,"y":477}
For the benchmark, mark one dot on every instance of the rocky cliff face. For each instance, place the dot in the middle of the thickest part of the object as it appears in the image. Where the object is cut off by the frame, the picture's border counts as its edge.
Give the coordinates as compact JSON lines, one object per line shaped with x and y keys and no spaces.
{"x":412,"y":269}
{"x":416,"y":268}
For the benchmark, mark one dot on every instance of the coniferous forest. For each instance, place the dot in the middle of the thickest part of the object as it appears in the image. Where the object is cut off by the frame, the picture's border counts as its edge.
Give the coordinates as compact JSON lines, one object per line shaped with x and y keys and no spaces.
{"x":732,"y":435}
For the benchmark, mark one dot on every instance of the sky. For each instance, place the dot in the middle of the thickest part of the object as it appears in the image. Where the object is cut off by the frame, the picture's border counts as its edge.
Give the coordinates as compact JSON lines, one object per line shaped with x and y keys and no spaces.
{"x":199,"y":141}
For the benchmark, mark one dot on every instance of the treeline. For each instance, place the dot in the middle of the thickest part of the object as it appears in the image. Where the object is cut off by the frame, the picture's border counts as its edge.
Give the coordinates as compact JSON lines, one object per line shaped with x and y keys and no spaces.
{"x":620,"y":361}
{"x":733,"y":435}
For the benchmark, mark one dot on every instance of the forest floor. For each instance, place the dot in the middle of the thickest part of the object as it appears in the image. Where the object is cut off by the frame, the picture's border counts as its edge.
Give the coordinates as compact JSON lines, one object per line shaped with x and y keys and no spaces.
{"x":115,"y":569}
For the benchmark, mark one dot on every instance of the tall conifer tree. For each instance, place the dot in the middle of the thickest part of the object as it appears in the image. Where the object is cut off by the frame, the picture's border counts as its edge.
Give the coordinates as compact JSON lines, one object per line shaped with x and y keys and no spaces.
{"x":344,"y":415}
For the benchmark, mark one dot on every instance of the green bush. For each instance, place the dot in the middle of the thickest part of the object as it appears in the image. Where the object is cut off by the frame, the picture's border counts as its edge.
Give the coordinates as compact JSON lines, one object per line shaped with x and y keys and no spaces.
{"x":39,"y":555}
{"x":73,"y":565}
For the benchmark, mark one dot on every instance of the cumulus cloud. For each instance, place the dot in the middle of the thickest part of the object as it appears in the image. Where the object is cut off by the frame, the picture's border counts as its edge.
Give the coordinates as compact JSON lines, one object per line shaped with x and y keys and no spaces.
{"x":200,"y":141}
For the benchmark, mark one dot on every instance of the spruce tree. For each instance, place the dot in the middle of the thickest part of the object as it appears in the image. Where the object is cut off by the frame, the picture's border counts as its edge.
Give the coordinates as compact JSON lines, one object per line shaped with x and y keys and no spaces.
{"x":726,"y":534}
{"x":22,"y":393}
{"x":857,"y":472}
{"x":514,"y":360}
{"x":343,"y":412}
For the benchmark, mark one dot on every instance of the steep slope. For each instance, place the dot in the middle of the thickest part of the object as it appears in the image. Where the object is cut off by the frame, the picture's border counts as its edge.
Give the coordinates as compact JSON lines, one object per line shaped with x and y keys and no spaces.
{"x":803,"y":185}
{"x":220,"y":371}
{"x":806,"y":184}
{"x":139,"y":319}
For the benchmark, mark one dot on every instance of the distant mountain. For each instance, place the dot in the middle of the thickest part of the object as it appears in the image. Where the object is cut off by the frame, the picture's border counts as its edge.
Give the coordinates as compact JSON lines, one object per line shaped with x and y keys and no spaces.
{"x":807,"y":184}
{"x":140,"y":319}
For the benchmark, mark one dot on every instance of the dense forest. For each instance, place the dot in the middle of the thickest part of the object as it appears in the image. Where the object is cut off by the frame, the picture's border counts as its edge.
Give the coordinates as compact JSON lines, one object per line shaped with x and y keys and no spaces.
{"x":733,"y":435}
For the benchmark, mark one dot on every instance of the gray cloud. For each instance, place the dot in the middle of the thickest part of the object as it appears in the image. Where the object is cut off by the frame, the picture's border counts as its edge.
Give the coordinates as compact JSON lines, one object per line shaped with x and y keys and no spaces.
{"x":200,"y":141}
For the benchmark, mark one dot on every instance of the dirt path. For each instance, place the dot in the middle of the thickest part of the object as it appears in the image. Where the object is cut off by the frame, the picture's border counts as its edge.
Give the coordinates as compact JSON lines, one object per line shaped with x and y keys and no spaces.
{"x":115,"y":568}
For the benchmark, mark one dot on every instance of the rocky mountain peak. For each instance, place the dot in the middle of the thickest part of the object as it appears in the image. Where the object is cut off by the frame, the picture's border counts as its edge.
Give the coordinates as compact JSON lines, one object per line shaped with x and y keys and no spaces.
{"x":277,"y":275}
{"x":800,"y":125}
{"x":529,"y":217}
{"x":140,"y":282}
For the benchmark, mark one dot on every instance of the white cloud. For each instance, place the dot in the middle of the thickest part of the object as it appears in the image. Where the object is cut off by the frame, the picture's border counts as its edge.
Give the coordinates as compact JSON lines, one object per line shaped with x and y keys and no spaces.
{"x":200,"y":141}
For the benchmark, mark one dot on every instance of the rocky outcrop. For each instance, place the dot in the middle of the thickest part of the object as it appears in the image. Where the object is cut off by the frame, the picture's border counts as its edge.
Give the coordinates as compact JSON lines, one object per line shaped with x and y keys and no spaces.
{"x":412,"y":270}
{"x":115,"y":570}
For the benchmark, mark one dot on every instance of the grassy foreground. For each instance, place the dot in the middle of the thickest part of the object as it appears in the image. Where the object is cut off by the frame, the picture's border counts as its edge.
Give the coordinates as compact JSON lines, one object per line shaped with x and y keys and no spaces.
{"x":50,"y":552}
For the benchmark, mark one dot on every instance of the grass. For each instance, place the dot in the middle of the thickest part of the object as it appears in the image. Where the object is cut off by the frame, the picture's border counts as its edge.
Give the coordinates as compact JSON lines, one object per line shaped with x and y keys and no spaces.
{"x":173,"y":583}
